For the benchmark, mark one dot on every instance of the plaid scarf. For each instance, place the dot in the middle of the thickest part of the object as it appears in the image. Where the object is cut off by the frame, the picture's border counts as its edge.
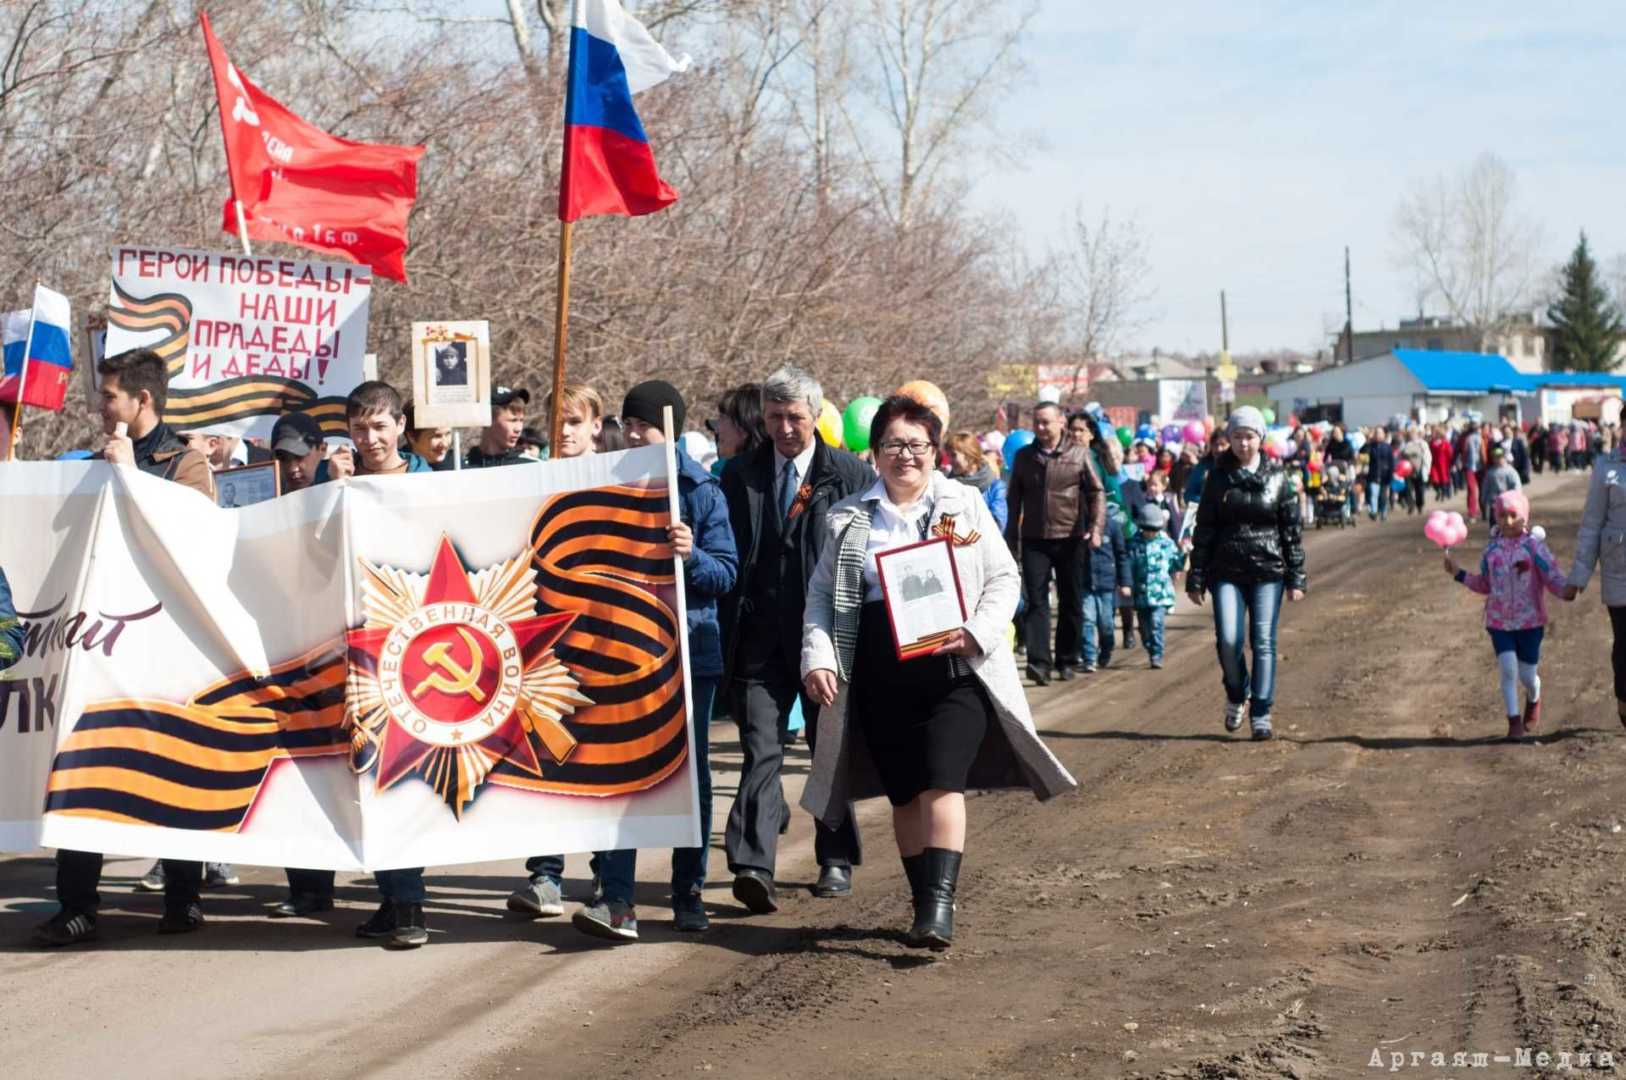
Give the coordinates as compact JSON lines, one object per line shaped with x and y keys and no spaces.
{"x":848,"y":595}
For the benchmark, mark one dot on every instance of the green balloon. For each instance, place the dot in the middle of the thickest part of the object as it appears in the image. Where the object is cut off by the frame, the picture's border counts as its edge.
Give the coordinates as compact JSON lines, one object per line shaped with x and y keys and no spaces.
{"x":1126,"y":437}
{"x":1269,"y":415}
{"x":855,"y":423}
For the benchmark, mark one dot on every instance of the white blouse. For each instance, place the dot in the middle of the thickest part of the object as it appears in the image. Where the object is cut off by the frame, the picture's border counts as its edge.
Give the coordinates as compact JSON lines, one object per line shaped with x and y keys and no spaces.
{"x":891,"y":526}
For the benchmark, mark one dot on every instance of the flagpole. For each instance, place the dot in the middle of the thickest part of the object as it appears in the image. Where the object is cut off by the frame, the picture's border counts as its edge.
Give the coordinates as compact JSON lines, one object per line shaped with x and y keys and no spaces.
{"x":242,"y":227}
{"x":22,"y":380}
{"x":561,"y":326}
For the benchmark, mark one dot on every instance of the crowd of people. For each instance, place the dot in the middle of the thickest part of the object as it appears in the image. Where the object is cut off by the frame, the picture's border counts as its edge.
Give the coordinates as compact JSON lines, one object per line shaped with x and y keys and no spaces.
{"x":1070,"y":542}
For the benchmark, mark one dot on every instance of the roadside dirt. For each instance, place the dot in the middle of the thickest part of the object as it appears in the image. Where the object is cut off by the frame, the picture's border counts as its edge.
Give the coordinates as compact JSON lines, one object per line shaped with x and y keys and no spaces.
{"x":1386,"y":876}
{"x":1383,"y":877}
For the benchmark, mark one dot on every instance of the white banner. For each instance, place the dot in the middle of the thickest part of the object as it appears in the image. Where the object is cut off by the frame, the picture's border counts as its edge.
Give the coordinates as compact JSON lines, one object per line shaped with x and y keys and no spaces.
{"x":389,"y":672}
{"x":1182,"y":399}
{"x":246,"y":339}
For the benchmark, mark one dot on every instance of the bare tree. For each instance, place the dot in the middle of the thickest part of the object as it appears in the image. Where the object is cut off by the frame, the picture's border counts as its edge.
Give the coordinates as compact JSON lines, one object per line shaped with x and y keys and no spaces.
{"x":1466,"y":242}
{"x":940,"y":66}
{"x":1105,"y":272}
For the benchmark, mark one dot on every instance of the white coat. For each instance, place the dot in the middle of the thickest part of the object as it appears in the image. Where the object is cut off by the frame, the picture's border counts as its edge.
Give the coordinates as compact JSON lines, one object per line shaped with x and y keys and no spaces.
{"x":1602,"y":537}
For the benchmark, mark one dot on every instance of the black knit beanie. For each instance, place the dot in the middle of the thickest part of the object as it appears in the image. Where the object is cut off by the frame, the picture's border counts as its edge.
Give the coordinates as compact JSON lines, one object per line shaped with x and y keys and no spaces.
{"x":646,"y":400}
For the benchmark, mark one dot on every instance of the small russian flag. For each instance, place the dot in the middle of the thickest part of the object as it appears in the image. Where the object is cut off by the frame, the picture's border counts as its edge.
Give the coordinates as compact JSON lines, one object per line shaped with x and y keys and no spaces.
{"x":37,"y":342}
{"x":608,"y":166}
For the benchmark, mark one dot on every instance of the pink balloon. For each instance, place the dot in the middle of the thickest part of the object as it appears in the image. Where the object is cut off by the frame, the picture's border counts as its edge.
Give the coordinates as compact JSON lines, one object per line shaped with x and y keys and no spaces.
{"x":1194,"y":432}
{"x":1439,"y":529}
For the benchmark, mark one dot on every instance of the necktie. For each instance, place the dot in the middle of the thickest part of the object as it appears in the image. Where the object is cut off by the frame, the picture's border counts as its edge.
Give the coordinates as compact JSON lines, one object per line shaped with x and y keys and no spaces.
{"x":787,"y":489}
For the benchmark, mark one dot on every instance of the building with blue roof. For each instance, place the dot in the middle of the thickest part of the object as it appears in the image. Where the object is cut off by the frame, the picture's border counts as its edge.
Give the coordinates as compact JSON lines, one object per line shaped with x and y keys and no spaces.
{"x":1431,"y":386}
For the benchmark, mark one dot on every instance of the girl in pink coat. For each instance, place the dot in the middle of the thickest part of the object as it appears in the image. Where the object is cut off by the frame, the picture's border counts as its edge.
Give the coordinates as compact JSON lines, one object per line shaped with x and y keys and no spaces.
{"x":1515,"y":573}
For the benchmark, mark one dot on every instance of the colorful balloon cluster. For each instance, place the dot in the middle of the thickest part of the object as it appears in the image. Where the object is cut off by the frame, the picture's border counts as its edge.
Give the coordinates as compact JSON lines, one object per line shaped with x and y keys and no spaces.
{"x":1446,"y":529}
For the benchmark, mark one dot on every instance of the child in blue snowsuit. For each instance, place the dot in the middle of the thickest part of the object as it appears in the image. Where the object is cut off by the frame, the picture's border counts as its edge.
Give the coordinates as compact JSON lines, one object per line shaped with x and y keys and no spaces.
{"x":1154,"y":561}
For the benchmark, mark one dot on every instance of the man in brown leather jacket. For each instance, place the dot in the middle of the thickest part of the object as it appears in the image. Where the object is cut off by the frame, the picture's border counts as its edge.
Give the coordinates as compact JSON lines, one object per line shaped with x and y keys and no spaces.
{"x":1055,"y":502}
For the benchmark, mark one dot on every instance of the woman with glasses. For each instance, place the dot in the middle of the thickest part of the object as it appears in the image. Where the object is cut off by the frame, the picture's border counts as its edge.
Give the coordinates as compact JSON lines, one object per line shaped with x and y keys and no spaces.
{"x":1247,"y":550}
{"x":920,"y":731}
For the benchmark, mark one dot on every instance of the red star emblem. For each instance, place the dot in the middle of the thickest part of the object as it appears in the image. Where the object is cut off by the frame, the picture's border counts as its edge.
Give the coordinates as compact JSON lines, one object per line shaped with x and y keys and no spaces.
{"x":451,"y":682}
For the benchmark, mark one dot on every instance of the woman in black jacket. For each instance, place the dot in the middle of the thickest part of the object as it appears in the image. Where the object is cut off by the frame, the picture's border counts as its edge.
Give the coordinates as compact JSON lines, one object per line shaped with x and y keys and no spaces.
{"x":1247,"y":550}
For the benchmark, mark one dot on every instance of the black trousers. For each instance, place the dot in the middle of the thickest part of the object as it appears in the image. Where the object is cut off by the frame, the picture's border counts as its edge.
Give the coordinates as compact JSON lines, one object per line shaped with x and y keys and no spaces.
{"x":1617,"y":655}
{"x":761,"y":706}
{"x":78,"y":873}
{"x":1039,"y":559}
{"x":310,"y":882}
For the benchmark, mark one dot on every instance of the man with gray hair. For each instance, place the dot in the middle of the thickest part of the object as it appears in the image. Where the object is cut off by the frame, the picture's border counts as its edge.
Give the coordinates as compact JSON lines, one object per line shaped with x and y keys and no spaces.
{"x":777,"y":498}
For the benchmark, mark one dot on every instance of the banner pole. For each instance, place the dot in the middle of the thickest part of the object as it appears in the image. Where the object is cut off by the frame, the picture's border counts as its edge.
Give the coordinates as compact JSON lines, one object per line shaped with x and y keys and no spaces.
{"x":457,"y":449}
{"x":22,"y":379}
{"x":561,"y":325}
{"x":242,"y":227}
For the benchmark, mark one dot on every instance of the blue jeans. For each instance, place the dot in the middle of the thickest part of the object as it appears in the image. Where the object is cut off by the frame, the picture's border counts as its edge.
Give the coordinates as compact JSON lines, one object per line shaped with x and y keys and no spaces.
{"x":1249,"y":611}
{"x":1377,"y":498}
{"x":618,"y":870}
{"x":1100,"y":623}
{"x":400,"y":886}
{"x":1151,"y":630}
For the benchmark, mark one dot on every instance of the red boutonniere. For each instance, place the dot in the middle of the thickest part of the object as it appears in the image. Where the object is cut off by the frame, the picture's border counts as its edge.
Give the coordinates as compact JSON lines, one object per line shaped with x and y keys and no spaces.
{"x":804,"y":495}
{"x":944,"y":529}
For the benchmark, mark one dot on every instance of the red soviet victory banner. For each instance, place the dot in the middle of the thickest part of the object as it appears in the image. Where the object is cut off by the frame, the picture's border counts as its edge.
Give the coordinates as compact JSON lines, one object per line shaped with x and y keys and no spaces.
{"x":293,"y":181}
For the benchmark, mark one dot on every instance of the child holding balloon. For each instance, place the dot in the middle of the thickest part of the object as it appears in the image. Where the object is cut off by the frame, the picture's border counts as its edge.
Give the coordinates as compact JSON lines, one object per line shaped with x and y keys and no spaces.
{"x":1514,"y":573}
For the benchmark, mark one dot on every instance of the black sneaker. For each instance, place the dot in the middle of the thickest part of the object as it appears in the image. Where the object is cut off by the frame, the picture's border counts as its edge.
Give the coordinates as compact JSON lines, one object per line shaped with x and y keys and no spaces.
{"x":300,"y":905}
{"x":182,"y":919}
{"x":1065,"y":673}
{"x":1038,"y":676}
{"x":410,"y":929}
{"x":689,"y":915}
{"x":66,"y":928}
{"x":381,"y":924}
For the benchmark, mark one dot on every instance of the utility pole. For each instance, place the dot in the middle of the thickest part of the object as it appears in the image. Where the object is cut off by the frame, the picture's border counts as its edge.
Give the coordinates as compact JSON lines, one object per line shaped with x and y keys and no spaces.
{"x":1225,"y":328}
{"x":1349,"y":314}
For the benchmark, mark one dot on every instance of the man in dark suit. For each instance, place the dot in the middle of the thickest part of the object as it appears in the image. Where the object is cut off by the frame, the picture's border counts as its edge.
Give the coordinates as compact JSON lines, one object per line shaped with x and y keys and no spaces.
{"x":777,"y":498}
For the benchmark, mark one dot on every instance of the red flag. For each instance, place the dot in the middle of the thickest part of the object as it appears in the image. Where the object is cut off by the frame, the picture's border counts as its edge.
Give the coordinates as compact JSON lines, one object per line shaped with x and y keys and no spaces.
{"x":297,"y":183}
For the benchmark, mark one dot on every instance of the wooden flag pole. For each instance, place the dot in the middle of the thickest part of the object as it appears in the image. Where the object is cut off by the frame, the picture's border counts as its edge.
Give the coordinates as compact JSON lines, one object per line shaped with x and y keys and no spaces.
{"x":242,"y":227}
{"x":561,"y":326}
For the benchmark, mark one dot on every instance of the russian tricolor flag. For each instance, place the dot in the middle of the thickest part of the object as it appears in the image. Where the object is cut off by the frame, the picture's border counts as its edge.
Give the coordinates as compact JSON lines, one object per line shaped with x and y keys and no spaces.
{"x":608,"y":166}
{"x":36,"y":348}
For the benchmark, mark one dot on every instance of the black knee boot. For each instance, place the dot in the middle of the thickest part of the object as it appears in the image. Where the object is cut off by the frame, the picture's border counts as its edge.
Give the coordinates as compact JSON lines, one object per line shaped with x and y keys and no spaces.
{"x":934,"y":913}
{"x":912,"y":869}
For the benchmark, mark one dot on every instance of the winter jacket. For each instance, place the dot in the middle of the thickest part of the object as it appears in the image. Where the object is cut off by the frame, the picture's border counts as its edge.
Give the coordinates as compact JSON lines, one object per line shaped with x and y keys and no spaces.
{"x":993,"y":493}
{"x":1380,"y":462}
{"x":1012,"y":755}
{"x":1498,"y":478}
{"x":712,"y":567}
{"x":414,"y":464}
{"x":1106,"y":567}
{"x":1194,"y":482}
{"x":1053,"y":495}
{"x":1439,"y":469}
{"x":1417,"y":452}
{"x":1601,"y":540}
{"x":11,"y":628}
{"x":1152,"y":564}
{"x":1248,"y":528}
{"x":1518,"y":456}
{"x":1514,"y":576}
{"x":477,"y":458}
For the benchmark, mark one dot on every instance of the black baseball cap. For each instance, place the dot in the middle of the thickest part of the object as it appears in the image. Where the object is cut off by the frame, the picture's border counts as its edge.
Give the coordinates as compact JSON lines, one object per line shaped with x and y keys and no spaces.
{"x":503,"y":396}
{"x":296,"y":434}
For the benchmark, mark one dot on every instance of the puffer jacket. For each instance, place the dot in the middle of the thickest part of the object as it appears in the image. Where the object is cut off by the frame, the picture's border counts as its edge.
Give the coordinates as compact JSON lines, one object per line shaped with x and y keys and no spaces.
{"x":11,"y":629}
{"x":1248,"y":528}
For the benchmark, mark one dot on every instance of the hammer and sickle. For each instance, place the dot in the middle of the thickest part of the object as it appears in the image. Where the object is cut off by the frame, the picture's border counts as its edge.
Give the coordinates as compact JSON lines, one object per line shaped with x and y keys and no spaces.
{"x":461,"y":680}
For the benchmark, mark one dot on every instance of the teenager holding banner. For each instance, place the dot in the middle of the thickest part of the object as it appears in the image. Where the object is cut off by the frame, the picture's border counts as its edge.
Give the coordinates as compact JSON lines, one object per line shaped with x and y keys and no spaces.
{"x":704,"y":541}
{"x":377,"y":419}
{"x":133,"y":388}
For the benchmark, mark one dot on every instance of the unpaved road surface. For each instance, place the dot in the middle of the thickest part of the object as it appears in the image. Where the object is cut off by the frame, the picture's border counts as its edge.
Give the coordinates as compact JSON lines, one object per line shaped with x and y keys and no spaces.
{"x":1386,"y":876}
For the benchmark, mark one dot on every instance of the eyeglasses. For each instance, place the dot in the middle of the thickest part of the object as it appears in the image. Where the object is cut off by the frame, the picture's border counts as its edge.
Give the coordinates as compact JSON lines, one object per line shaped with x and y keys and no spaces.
{"x":897,"y":448}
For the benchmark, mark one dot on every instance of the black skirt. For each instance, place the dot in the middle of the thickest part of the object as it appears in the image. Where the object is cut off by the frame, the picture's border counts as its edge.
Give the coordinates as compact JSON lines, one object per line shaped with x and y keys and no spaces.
{"x":924,"y":719}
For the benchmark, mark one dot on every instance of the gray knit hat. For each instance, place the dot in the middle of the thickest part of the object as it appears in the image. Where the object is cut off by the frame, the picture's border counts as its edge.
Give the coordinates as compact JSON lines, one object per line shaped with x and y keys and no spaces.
{"x":1247,"y":418}
{"x":1151,"y":516}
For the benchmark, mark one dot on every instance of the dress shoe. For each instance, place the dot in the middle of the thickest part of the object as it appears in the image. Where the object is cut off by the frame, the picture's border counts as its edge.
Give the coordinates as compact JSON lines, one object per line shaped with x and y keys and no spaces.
{"x":1039,"y":677}
{"x":754,"y":888}
{"x":300,"y":905}
{"x":1066,"y":674}
{"x":834,"y":881}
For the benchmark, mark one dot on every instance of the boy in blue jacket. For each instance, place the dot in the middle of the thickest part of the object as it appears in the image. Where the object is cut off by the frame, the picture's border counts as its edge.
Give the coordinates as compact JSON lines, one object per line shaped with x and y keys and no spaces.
{"x":704,"y":540}
{"x":1104,"y":577}
{"x":1154,"y":562}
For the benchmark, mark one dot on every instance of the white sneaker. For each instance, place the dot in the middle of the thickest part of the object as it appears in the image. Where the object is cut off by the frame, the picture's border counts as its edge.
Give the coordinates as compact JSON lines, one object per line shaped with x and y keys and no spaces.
{"x":1233,"y":716}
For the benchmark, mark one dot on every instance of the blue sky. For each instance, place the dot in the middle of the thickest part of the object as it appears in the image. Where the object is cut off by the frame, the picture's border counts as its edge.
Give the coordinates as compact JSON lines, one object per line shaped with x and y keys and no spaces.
{"x":1252,"y":141}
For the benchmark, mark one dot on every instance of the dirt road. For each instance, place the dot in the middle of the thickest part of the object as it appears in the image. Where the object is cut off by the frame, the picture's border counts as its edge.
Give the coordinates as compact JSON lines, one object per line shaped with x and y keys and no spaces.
{"x":1385,"y":877}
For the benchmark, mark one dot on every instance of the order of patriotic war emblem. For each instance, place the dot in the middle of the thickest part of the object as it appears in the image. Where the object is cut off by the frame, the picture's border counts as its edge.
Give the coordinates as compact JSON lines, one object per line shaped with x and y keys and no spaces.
{"x":454,"y":673}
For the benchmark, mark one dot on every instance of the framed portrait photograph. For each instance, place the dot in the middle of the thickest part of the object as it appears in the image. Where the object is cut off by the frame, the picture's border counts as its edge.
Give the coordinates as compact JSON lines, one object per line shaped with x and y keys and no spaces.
{"x":921,"y":588}
{"x":451,"y":373}
{"x":247,"y":485}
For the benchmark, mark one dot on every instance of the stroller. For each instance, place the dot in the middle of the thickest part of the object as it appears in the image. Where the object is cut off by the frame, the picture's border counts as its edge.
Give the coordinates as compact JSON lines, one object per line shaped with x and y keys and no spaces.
{"x":1332,"y":500}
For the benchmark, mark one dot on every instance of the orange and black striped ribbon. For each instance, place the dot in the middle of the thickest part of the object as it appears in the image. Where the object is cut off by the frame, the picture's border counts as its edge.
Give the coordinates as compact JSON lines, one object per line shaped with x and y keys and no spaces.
{"x":199,"y":765}
{"x":603,"y":554}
